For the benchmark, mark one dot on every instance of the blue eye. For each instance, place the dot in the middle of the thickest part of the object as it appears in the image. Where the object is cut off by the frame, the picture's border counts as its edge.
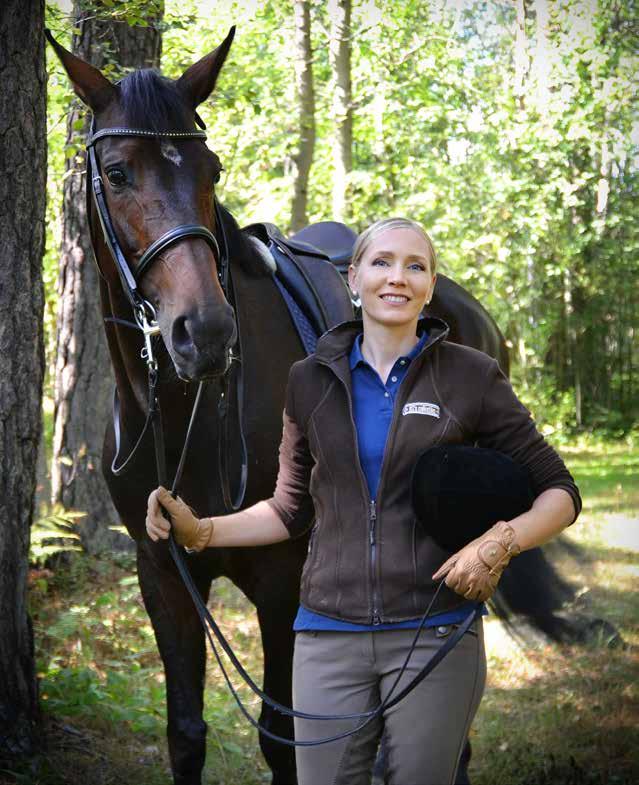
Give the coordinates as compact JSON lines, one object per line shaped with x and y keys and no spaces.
{"x":380,"y":263}
{"x":417,"y":266}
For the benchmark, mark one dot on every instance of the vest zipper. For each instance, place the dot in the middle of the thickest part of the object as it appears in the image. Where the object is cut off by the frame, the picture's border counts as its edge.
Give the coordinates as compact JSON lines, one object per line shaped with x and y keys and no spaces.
{"x":373,"y":522}
{"x":390,"y":440}
{"x":372,"y":508}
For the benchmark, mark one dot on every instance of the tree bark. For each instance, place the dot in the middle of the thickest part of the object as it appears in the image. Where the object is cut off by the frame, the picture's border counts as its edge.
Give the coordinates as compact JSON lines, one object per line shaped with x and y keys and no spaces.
{"x":84,"y":379}
{"x":522,"y":61}
{"x":339,"y":51}
{"x":23,"y":167}
{"x":305,"y":96}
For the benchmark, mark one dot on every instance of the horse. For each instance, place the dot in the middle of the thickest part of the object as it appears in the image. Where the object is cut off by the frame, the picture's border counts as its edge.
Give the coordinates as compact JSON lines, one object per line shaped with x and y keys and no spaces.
{"x":153,"y":181}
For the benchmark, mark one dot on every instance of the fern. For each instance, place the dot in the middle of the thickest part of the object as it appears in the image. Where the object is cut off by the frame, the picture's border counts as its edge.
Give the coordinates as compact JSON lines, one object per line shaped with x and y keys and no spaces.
{"x":54,"y":533}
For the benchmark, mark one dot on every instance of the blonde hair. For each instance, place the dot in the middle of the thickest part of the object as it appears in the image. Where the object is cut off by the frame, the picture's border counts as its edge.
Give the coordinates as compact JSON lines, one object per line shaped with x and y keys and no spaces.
{"x":385,"y":224}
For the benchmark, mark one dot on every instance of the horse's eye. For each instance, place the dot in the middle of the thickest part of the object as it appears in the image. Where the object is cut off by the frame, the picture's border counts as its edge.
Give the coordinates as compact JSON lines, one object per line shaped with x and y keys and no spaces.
{"x":116,"y":177}
{"x":216,"y":177}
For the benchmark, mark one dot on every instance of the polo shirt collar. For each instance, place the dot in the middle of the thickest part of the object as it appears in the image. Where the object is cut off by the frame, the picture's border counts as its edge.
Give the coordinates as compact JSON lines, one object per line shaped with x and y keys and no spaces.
{"x":356,"y":356}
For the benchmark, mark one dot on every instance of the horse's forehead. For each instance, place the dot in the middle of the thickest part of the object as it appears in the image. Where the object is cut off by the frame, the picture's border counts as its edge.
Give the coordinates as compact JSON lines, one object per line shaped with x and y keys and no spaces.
{"x":152,"y":153}
{"x":114,"y":117}
{"x":169,"y":151}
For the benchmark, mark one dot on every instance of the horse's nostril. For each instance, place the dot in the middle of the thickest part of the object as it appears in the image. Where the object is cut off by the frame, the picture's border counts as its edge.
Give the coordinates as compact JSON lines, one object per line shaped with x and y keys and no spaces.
{"x":181,"y":338}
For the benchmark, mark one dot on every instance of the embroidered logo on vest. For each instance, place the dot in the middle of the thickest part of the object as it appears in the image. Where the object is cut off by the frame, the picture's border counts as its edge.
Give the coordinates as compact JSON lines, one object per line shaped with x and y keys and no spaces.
{"x":431,"y":409}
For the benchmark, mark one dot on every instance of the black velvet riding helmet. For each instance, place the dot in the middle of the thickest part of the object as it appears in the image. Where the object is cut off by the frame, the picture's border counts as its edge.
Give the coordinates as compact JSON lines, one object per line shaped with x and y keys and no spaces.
{"x":459,"y":492}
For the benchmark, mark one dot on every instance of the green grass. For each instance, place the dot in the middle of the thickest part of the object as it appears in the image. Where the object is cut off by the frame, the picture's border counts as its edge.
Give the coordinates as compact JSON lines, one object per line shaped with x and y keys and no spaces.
{"x":567,"y":715}
{"x":552,"y":715}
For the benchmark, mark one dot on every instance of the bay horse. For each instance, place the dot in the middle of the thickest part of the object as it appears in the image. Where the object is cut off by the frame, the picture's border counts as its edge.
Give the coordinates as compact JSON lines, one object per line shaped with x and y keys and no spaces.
{"x":153,"y":183}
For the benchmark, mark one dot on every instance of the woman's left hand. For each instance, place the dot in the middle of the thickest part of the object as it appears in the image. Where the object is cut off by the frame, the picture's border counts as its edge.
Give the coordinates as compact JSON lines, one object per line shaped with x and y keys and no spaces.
{"x":475,"y":570}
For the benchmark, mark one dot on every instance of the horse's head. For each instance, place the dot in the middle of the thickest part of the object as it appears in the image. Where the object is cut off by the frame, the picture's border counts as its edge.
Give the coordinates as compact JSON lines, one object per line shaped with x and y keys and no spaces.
{"x":153,"y":184}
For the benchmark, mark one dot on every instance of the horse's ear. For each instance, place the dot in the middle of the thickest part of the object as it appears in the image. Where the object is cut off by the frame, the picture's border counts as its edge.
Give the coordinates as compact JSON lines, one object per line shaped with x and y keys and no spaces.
{"x":91,"y":87}
{"x":198,"y":81}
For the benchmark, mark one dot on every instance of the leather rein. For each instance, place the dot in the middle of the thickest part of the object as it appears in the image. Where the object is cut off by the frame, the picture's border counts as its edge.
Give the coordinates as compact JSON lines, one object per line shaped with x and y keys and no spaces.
{"x":146,"y":322}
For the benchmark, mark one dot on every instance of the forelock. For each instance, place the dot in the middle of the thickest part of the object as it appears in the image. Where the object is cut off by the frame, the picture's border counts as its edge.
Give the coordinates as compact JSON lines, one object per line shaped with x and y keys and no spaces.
{"x":152,"y":102}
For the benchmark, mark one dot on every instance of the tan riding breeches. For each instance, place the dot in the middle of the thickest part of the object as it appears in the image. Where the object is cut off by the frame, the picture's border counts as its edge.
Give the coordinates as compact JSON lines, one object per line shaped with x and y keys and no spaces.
{"x":349,"y":672}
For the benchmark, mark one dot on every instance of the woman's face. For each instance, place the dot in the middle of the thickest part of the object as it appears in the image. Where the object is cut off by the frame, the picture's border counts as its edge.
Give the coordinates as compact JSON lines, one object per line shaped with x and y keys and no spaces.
{"x":394,"y":279}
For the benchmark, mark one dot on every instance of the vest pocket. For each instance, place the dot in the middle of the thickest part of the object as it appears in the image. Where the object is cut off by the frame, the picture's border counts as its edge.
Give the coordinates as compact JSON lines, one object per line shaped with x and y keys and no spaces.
{"x":310,"y":557}
{"x":442,"y":434}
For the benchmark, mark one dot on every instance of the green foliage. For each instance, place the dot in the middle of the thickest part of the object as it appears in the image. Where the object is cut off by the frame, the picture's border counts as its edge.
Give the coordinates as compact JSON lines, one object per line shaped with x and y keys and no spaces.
{"x":53,"y":533}
{"x":528,"y":191}
{"x":95,"y":628}
{"x":58,"y":104}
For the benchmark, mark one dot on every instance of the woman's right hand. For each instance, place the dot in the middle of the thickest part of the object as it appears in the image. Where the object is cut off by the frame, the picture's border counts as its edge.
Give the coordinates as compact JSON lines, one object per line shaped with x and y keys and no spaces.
{"x":191,"y":532}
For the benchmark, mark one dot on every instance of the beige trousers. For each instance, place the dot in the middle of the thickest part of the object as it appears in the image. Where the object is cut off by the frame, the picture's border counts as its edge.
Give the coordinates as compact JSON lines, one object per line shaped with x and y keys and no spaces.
{"x":349,"y":672}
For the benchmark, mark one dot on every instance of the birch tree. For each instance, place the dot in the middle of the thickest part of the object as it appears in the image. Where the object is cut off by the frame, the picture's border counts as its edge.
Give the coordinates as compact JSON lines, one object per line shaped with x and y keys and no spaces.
{"x":305,"y":99}
{"x":339,"y":49}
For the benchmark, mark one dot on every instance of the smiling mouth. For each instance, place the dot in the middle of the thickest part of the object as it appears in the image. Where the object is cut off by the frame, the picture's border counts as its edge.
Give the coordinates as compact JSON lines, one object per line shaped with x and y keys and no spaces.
{"x":398,"y":299}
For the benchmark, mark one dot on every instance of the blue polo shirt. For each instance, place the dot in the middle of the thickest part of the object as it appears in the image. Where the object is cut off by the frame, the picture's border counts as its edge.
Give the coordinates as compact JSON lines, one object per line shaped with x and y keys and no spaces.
{"x":373,"y":402}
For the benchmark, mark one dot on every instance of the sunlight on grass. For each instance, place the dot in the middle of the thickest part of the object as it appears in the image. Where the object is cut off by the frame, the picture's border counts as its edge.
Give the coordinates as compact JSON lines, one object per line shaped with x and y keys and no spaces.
{"x":551,"y":714}
{"x":558,"y":714}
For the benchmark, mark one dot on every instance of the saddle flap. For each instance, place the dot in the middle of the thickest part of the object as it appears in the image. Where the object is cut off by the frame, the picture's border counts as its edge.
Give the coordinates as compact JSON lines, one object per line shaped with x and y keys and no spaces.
{"x":315,"y":293}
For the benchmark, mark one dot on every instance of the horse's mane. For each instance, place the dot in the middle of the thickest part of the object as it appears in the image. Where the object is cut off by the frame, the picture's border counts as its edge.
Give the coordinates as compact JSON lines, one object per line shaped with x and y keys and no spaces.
{"x":151,"y":101}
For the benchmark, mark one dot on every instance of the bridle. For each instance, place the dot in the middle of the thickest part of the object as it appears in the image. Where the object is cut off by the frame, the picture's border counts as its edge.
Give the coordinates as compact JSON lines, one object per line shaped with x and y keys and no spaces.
{"x":145,"y":315}
{"x":130,"y":278}
{"x":145,"y":320}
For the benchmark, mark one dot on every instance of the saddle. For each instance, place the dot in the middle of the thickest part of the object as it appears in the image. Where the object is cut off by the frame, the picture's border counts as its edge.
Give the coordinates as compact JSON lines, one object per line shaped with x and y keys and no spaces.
{"x":308,"y":267}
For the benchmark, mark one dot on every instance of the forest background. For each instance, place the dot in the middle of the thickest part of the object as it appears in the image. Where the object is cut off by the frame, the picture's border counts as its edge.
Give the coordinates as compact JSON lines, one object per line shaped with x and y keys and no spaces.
{"x":509,"y":128}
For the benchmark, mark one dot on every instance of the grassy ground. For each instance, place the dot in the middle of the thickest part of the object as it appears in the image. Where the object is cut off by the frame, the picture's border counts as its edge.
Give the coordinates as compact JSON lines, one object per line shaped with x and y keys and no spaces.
{"x":552,"y":714}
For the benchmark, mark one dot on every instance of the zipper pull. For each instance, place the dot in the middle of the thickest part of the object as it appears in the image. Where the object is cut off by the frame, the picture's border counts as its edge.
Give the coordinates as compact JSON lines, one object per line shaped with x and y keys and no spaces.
{"x":373,"y":518}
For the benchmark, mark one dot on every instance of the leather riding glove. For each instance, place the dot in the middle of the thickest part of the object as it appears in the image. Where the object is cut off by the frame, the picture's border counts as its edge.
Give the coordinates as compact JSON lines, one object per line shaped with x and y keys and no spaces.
{"x":191,"y":532}
{"x":475,"y":570}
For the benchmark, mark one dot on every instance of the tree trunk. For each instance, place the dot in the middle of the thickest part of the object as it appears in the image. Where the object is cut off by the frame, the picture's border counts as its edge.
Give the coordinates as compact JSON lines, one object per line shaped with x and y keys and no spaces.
{"x":521,"y":53}
{"x":305,"y":96}
{"x":23,"y":167}
{"x":542,"y":62}
{"x":340,"y":59}
{"x":84,"y":379}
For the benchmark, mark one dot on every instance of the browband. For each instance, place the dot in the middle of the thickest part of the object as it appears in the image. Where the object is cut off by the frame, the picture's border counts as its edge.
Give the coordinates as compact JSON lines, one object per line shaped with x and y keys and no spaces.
{"x":141,"y":132}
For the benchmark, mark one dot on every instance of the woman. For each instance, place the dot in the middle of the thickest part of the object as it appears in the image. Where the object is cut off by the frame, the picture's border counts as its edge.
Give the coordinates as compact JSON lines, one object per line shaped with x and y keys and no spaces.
{"x":359,"y":411}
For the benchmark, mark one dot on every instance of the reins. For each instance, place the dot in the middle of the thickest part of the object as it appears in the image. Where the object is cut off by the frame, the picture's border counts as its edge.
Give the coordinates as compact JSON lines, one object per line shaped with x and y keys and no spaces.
{"x":146,"y":322}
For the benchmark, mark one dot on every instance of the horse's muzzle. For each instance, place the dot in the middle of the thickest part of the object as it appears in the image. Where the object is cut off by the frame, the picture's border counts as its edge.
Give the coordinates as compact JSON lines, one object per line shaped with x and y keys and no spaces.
{"x":200,"y":348}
